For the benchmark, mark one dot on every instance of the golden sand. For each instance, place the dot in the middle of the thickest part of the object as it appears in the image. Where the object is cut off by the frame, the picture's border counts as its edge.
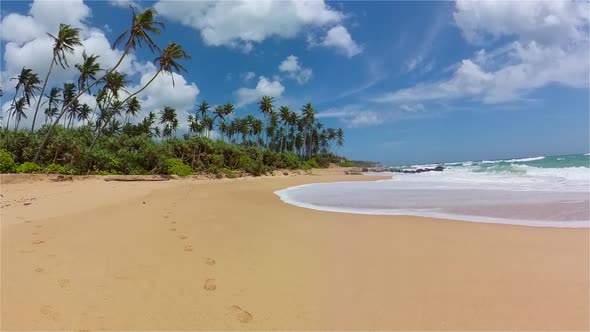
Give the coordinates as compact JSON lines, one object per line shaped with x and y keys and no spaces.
{"x":228,"y":254}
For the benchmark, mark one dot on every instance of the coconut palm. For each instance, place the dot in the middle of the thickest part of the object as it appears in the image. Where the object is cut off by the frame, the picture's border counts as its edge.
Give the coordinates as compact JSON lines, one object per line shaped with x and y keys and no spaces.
{"x":67,"y":38}
{"x":84,"y":113}
{"x":21,"y":79}
{"x":88,"y":69}
{"x":142,"y":25}
{"x":167,"y":63}
{"x":204,"y":109}
{"x":308,"y":116}
{"x":133,"y":108}
{"x":18,"y":111}
{"x":266,"y":107}
{"x":169,"y":120}
{"x":53,"y":100}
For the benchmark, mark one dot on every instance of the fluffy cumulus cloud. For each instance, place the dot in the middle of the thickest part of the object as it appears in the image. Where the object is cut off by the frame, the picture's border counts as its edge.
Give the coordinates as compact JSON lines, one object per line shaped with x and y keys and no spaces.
{"x":242,"y":24}
{"x":27,"y":45}
{"x":340,"y":38}
{"x":264,"y":87}
{"x":294,"y":70}
{"x":550,"y":44}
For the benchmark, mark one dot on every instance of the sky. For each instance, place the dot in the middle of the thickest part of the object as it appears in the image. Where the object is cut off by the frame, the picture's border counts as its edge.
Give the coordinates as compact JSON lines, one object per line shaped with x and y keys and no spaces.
{"x":409,"y":82}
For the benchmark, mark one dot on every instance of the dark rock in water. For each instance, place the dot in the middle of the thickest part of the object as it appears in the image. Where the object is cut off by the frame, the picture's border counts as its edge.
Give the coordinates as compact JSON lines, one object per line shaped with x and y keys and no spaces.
{"x":364,"y":169}
{"x":419,"y":170}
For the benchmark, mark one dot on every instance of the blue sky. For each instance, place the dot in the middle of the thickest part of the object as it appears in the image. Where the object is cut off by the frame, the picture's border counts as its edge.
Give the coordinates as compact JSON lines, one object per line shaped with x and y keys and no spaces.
{"x":409,"y":82}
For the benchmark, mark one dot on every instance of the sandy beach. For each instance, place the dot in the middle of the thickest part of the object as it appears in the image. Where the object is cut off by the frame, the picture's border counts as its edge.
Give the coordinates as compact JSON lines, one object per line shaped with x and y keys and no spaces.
{"x":229,"y":255}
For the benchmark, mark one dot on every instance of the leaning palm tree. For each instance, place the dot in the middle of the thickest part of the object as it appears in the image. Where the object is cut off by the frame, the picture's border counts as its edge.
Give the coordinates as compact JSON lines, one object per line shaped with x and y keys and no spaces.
{"x":142,"y":25}
{"x":167,"y":63}
{"x":53,"y":101}
{"x":67,"y":38}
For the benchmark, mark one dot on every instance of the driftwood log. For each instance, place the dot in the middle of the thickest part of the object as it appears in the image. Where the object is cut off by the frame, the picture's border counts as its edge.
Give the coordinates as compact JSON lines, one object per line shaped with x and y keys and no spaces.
{"x":137,"y":179}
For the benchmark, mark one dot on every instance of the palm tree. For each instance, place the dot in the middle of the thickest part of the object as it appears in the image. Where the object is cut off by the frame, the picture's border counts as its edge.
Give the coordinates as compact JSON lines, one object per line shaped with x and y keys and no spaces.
{"x":67,"y":38}
{"x":84,"y":113}
{"x":167,"y":63}
{"x":203,"y":109}
{"x":308,"y":115}
{"x":21,"y":79}
{"x":133,"y":108}
{"x":142,"y":24}
{"x":19,"y":111}
{"x":266,"y":107}
{"x":88,"y":69}
{"x":52,"y":103}
{"x":169,"y":120}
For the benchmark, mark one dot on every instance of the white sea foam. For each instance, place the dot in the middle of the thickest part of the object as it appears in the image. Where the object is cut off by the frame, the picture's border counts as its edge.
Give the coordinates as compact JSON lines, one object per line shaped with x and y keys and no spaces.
{"x":521,"y":160}
{"x":517,"y":194}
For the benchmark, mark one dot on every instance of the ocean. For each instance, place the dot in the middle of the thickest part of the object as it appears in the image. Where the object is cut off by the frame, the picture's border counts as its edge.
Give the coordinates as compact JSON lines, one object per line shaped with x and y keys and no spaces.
{"x":543,"y":191}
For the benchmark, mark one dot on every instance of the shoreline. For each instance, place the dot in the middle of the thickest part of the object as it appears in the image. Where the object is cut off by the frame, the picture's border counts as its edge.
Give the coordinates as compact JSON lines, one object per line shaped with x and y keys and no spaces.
{"x":229,"y":254}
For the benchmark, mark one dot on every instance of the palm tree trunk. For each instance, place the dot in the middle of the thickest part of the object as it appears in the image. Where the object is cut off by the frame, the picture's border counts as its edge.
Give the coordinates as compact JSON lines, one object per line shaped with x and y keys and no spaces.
{"x":42,"y":92}
{"x":56,"y":122}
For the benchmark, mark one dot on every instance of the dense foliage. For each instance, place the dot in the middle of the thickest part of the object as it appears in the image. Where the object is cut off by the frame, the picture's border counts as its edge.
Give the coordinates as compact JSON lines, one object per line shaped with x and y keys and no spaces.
{"x":68,"y":152}
{"x":110,"y":138}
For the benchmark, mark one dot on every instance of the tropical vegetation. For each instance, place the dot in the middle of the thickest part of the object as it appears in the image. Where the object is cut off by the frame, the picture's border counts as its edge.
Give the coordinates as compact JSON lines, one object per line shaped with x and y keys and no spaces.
{"x":109,"y":137}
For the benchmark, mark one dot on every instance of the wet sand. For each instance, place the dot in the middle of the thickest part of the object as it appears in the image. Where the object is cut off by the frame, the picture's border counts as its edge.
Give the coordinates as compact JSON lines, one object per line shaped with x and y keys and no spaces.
{"x":229,"y":255}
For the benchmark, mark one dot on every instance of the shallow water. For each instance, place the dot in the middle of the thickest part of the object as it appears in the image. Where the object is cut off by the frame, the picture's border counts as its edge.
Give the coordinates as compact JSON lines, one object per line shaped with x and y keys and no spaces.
{"x":514,"y":193}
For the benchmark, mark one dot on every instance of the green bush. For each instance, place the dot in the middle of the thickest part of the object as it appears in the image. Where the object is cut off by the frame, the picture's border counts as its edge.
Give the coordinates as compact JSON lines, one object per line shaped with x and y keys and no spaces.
{"x":28,"y":167}
{"x":312,"y":163}
{"x":56,"y":169}
{"x":7,"y":164}
{"x":176,"y":166}
{"x":290,"y":161}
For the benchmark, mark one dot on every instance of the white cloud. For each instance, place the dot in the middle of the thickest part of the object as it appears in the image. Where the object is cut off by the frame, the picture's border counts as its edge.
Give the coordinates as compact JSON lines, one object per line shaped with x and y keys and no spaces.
{"x":124,"y":3}
{"x":339,"y":38}
{"x":551,"y":46}
{"x":547,"y":22}
{"x":247,"y":76}
{"x":265,"y":87}
{"x":241,"y":24}
{"x":354,"y":116}
{"x":294,"y":70}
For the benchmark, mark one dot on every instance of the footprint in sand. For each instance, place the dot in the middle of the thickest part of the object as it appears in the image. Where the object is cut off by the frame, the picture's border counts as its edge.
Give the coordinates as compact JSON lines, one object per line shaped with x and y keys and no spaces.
{"x":173,"y":222}
{"x":64,"y":283}
{"x":38,"y":242}
{"x":240,"y":314}
{"x":173,"y":229}
{"x":182,"y":237}
{"x":27,"y":251}
{"x":209,"y":261}
{"x":210,"y":284}
{"x":166,"y":217}
{"x":35,"y":233}
{"x":188,"y":248}
{"x":48,"y":312}
{"x":38,"y":226}
{"x":39,"y":270}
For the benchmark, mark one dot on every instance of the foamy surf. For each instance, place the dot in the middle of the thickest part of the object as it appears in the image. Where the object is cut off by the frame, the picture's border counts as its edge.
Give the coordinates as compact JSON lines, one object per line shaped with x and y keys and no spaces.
{"x":506,"y":192}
